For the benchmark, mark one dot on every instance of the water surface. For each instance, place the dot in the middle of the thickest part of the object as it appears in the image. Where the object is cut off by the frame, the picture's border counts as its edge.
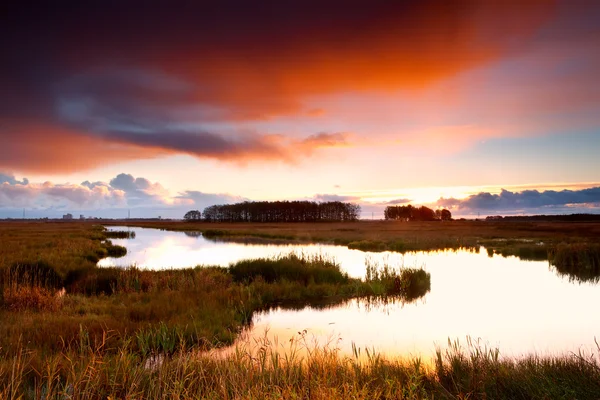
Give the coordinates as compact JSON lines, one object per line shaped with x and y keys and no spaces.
{"x":519,"y":306}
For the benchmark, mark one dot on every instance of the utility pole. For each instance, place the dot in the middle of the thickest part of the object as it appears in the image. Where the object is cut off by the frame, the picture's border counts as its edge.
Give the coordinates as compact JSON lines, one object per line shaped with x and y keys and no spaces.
{"x":23,"y":213}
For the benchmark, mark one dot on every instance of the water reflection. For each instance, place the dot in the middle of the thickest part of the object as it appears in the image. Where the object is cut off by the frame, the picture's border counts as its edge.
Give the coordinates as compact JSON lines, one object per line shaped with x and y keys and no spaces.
{"x":519,"y":306}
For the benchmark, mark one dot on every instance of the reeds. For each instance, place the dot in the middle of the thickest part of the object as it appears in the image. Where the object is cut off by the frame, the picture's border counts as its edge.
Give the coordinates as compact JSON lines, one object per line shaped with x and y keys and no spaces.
{"x":120,"y":234}
{"x":579,"y":261}
{"x":304,"y":371}
{"x":408,"y":283}
{"x":291,"y":267}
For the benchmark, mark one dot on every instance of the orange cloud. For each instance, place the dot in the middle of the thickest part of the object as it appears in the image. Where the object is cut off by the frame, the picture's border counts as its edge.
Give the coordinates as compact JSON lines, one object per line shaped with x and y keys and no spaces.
{"x":99,"y":94}
{"x":38,"y":148}
{"x":44,"y":148}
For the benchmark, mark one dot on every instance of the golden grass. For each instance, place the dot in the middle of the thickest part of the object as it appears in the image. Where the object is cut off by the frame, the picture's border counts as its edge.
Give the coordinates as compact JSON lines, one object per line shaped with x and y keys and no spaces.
{"x":260,"y":372}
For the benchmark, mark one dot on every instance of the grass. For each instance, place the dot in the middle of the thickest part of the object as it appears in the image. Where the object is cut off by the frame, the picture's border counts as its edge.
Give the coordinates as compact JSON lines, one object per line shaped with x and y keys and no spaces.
{"x":120,"y":234}
{"x":579,"y":261}
{"x":292,"y":267}
{"x":408,"y":283}
{"x":411,"y":235}
{"x":532,"y":240}
{"x":203,"y":306}
{"x":136,"y":333}
{"x":90,"y":371}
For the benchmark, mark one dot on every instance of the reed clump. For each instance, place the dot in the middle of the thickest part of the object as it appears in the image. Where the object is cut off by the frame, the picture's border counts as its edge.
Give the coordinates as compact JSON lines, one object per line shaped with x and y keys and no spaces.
{"x":291,"y":267}
{"x":368,"y":245}
{"x":579,"y":261}
{"x":120,"y":234}
{"x":408,"y":283}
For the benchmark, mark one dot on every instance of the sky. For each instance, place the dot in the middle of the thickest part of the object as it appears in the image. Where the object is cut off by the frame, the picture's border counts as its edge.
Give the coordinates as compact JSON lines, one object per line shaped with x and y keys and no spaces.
{"x":484,"y":107}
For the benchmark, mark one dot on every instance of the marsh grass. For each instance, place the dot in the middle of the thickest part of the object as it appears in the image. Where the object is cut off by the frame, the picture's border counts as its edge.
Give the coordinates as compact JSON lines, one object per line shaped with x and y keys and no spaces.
{"x":524,"y":249}
{"x":408,"y":283}
{"x":120,"y":234}
{"x":291,"y":267}
{"x":579,"y":261}
{"x":104,"y":336}
{"x":202,"y":306}
{"x":36,"y":298}
{"x":305,"y":371}
{"x":237,"y":235}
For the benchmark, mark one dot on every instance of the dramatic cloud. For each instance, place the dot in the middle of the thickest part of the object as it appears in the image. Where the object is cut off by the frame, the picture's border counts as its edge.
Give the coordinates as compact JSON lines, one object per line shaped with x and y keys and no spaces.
{"x":111,"y":199}
{"x":38,"y":148}
{"x":104,"y":82}
{"x":525,"y":200}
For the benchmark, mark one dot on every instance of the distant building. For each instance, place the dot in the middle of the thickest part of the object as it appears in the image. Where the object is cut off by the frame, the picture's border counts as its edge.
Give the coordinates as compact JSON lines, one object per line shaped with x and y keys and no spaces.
{"x":67,"y":216}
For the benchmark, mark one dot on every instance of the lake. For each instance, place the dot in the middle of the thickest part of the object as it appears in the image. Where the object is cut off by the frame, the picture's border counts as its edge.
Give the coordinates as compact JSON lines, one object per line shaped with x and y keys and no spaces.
{"x":519,"y":306}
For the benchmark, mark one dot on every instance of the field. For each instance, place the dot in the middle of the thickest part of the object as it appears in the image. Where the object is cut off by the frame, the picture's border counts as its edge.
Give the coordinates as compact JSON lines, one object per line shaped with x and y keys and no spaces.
{"x":70,"y":328}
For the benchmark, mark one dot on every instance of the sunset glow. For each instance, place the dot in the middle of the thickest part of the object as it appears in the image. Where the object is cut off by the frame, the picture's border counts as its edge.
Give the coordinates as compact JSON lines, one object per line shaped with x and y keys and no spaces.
{"x":424,"y":102}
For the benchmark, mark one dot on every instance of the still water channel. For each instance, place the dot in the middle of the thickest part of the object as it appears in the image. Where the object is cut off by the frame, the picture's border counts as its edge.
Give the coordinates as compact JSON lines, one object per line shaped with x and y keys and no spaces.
{"x":519,"y":306}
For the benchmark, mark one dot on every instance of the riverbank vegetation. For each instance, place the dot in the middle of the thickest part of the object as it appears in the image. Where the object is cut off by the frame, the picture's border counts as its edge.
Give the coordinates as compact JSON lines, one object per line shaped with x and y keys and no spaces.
{"x":398,"y":235}
{"x":95,"y":371}
{"x":48,"y":294}
{"x":70,"y":327}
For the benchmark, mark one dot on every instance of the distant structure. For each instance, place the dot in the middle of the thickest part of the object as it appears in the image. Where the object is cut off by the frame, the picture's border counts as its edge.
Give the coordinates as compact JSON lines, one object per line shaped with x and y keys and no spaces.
{"x":67,"y":216}
{"x":81,"y":217}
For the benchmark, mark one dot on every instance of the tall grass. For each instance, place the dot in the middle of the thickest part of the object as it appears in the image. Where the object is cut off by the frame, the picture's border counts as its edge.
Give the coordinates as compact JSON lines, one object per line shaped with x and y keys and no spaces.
{"x":474,"y":372}
{"x":291,"y":267}
{"x":579,"y":261}
{"x":407,"y":283}
{"x":207,"y":305}
{"x":120,"y":234}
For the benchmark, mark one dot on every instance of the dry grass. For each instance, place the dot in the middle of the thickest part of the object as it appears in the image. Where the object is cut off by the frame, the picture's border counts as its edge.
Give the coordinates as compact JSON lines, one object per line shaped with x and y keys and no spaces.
{"x":104,"y":337}
{"x":32,"y":298}
{"x":474,"y":372}
{"x":400,"y":236}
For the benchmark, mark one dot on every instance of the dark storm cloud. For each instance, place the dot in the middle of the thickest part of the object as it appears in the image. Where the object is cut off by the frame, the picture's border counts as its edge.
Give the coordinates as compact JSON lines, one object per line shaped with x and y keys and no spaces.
{"x":204,"y":143}
{"x":527,"y":199}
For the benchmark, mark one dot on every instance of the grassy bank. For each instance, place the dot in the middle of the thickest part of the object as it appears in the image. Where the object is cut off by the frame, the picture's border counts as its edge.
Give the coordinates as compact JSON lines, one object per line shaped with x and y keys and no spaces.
{"x":202,"y":307}
{"x":474,"y":372}
{"x":63,"y":247}
{"x":69,"y":327}
{"x":531,"y":240}
{"x":465,"y":232}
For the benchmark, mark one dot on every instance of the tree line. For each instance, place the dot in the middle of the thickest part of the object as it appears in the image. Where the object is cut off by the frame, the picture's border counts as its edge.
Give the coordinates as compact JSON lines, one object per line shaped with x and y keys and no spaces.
{"x":411,"y":213}
{"x":278,"y":211}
